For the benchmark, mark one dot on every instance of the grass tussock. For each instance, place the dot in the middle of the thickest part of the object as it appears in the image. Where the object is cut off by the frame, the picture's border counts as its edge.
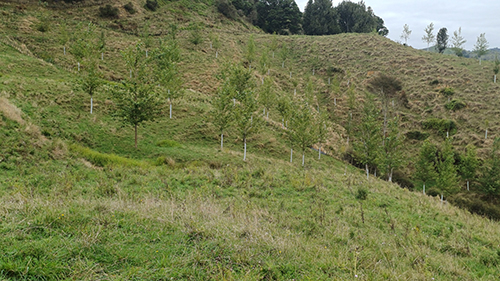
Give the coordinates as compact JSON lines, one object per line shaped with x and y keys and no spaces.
{"x":104,"y":159}
{"x":11,"y":111}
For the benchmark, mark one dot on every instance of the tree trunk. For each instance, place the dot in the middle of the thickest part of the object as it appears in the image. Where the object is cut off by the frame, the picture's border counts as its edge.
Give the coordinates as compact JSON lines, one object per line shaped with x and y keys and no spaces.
{"x":367,"y":172}
{"x":390,"y":175}
{"x":234,"y":102}
{"x":495,"y":79}
{"x":290,"y":74}
{"x":328,"y":80}
{"x":267,"y":114}
{"x":135,"y":127}
{"x":467,"y":185}
{"x":221,"y":141}
{"x":91,"y":104}
{"x":291,"y":154}
{"x":486,"y":134}
{"x":303,"y":158}
{"x":216,"y":54}
{"x":375,"y":173}
{"x":424,"y":189}
{"x":102,"y":56}
{"x":245,"y":149}
{"x":319,"y":152}
{"x":78,"y":66}
{"x":362,"y":213}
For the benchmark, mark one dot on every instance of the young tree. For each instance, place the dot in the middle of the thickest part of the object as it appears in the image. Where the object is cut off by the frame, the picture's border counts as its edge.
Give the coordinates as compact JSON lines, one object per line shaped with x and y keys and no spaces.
{"x":273,"y":45}
{"x":137,"y":98}
{"x":429,"y":34}
{"x":426,"y":164}
{"x":442,"y":39}
{"x":267,"y":96}
{"x":250,"y":51}
{"x":447,"y":181}
{"x":386,"y":87}
{"x":490,"y":172}
{"x":215,"y":43}
{"x":368,"y":134}
{"x":302,"y":129}
{"x":457,"y":42}
{"x":166,"y":58}
{"x":322,"y":130}
{"x":481,"y":46}
{"x":405,"y":35}
{"x":391,"y":156}
{"x":85,"y":48}
{"x":247,"y":121}
{"x":222,"y":112}
{"x":496,"y":68}
{"x":469,"y":164}
{"x":264,"y":63}
{"x":284,"y":53}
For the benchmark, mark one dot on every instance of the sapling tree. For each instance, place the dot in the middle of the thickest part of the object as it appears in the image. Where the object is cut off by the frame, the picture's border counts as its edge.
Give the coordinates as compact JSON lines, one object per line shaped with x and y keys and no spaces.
{"x":137,"y":98}
{"x":391,"y":156}
{"x":250,"y":50}
{"x":322,"y":129}
{"x":496,"y":68}
{"x":442,"y":39}
{"x":447,"y":180}
{"x":481,"y":46}
{"x":63,"y":36}
{"x":267,"y":96}
{"x":490,"y":172}
{"x":457,"y":42}
{"x":166,"y":57}
{"x":284,"y":107}
{"x":429,"y":34}
{"x":263,"y":63}
{"x":273,"y":46}
{"x":222,"y":112}
{"x":284,"y":53}
{"x":368,"y":134}
{"x":85,"y":47}
{"x":425,"y":166}
{"x":146,"y":36}
{"x":247,"y":122}
{"x":469,"y":164}
{"x":405,"y":35}
{"x":386,"y":87}
{"x":303,"y":132}
{"x":215,"y":43}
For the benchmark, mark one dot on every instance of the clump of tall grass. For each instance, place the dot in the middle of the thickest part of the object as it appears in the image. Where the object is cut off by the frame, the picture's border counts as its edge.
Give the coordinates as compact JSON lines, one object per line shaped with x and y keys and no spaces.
{"x":105,"y":159}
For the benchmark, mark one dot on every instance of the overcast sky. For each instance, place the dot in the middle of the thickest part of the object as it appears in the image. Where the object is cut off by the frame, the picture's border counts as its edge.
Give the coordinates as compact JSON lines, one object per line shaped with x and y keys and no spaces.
{"x":475,"y":17}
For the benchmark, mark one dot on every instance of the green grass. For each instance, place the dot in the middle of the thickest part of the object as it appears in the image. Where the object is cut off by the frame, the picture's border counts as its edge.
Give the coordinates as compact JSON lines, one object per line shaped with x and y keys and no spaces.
{"x":78,"y":202}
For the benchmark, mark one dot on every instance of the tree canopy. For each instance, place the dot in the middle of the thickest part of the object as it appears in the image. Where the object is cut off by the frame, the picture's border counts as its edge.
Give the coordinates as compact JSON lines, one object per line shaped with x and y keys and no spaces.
{"x":279,"y":16}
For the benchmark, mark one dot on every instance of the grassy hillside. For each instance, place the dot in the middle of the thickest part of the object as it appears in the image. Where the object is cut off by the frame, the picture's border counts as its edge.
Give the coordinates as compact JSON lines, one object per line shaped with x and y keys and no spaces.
{"x":80,"y":203}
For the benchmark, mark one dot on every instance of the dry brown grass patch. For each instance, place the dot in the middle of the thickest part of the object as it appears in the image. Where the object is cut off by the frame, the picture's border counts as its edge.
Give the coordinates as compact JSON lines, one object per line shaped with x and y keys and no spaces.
{"x":11,"y":111}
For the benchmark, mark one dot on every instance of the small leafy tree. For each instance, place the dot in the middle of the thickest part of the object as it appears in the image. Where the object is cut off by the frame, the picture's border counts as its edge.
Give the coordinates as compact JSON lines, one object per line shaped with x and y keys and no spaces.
{"x":222,"y":112}
{"x":247,"y":122}
{"x":267,"y":96}
{"x":386,"y":87}
{"x":457,"y":42}
{"x":216,"y":44}
{"x":490,"y":172}
{"x":284,"y":53}
{"x":137,"y":98}
{"x":426,"y":164}
{"x":322,"y":130}
{"x":481,"y":46}
{"x":250,"y":51}
{"x":273,"y":46}
{"x":368,"y":134}
{"x":264,"y":63}
{"x":405,"y":35}
{"x":85,"y":47}
{"x":496,"y":68}
{"x":469,"y":164}
{"x":442,"y":39}
{"x":391,"y":156}
{"x":303,"y":132}
{"x":166,"y":57}
{"x":447,"y":181}
{"x":429,"y":34}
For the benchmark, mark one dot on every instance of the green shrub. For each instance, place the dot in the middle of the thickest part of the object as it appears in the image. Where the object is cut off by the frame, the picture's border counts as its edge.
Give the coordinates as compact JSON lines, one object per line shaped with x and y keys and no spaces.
{"x":167,"y":143}
{"x":455,"y":105}
{"x":417,"y":135}
{"x":104,"y":159}
{"x":333,"y":69}
{"x":43,"y":25}
{"x":448,"y":91}
{"x":163,"y":160}
{"x":108,"y":11}
{"x":434,"y":82}
{"x":361,"y":193}
{"x":196,"y":38}
{"x":440,"y":125}
{"x":227,"y":9}
{"x":152,"y":5}
{"x":129,"y":7}
{"x":476,"y":206}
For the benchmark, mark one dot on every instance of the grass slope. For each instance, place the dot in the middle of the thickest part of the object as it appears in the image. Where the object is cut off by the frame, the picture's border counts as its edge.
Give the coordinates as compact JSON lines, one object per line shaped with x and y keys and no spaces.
{"x":79,"y":203}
